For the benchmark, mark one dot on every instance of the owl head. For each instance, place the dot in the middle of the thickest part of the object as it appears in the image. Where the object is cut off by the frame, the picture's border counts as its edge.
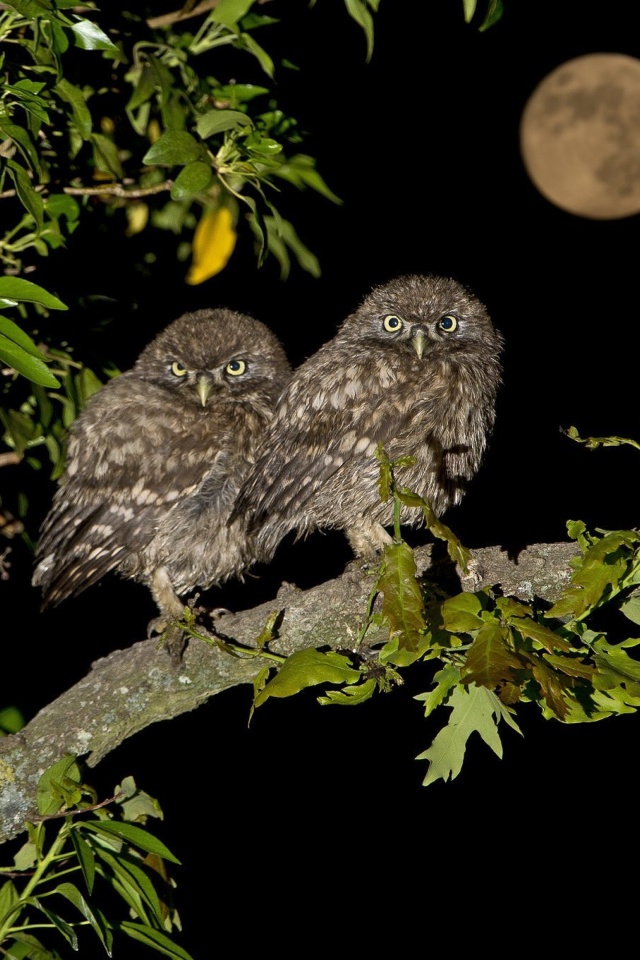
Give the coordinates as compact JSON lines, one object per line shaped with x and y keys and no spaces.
{"x":423,"y":317}
{"x":211,"y":353}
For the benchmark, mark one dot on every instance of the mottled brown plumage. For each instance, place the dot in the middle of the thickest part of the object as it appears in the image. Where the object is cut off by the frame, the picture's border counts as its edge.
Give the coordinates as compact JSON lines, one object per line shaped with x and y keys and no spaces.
{"x":155,"y":460}
{"x":416,"y":368}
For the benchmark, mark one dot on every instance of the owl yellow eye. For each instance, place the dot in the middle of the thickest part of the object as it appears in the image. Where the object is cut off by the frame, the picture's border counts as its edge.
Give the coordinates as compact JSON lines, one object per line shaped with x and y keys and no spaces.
{"x":392,"y":324}
{"x":236,"y":368}
{"x":177,"y":369}
{"x":448,"y":324}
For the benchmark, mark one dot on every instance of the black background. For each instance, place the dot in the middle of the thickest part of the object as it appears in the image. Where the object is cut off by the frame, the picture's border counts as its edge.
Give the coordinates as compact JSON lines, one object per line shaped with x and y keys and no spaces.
{"x":422,"y":145}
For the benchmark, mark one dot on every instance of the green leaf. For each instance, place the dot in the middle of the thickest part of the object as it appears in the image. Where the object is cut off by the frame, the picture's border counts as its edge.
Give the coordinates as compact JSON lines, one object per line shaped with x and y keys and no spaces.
{"x":475,"y":710}
{"x":490,"y":659}
{"x":73,"y":895}
{"x":65,"y":928}
{"x":11,"y":720}
{"x":281,"y":233}
{"x":358,"y":10}
{"x":259,"y":53}
{"x":26,"y":947}
{"x":307,"y":668}
{"x":13,"y":332}
{"x":600,"y":574}
{"x":230,"y":12}
{"x":192,"y":179}
{"x":26,"y":856}
{"x":77,"y":101}
{"x":144,"y":87}
{"x":28,"y":366}
{"x":131,"y":834}
{"x":154,"y":938}
{"x":445,"y":679}
{"x":350,"y":696}
{"x":105,"y":155}
{"x":24,"y":143}
{"x":469,"y":9}
{"x":30,"y":199}
{"x":493,"y":14}
{"x":462,"y":613}
{"x":402,"y":604}
{"x":631,"y":608}
{"x":8,"y":899}
{"x":58,"y":785}
{"x":86,"y":859}
{"x":300,"y":170}
{"x":32,"y":8}
{"x":217,"y":121}
{"x":89,"y":36}
{"x":174,"y":147}
{"x":14,"y":288}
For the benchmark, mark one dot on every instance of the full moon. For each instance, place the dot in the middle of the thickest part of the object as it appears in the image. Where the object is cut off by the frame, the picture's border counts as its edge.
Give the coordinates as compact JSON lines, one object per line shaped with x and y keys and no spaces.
{"x":580,"y":136}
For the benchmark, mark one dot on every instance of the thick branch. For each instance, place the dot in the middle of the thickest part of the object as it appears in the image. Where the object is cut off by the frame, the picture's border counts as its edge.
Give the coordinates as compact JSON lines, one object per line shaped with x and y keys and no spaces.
{"x":133,"y":688}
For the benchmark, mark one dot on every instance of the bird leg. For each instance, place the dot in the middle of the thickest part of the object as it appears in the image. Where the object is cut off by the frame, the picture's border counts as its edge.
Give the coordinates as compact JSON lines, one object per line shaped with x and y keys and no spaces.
{"x":368,"y":540}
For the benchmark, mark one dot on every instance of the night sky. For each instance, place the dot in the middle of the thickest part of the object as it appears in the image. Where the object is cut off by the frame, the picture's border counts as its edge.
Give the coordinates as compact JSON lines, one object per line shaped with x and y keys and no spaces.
{"x":422,"y":145}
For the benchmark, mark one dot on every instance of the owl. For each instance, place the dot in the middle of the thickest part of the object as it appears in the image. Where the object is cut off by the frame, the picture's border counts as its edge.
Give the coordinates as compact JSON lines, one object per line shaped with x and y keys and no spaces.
{"x":155,"y":460}
{"x":415,"y":368}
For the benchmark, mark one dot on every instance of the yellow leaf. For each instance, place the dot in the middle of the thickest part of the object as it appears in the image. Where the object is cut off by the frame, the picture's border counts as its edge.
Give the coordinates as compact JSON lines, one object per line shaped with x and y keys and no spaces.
{"x":137,"y":217}
{"x":213,"y":243}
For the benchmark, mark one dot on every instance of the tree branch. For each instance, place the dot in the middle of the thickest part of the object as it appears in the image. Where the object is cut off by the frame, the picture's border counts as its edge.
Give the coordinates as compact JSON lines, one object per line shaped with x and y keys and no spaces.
{"x":130,"y":689}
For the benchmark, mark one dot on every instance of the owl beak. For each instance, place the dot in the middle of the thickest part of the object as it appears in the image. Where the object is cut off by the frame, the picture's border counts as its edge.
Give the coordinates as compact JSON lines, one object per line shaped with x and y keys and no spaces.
{"x":418,"y":341}
{"x":204,"y":386}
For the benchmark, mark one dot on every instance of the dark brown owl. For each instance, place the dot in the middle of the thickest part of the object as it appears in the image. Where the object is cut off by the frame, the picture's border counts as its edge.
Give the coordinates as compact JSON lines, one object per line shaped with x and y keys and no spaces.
{"x":155,"y":460}
{"x":416,"y":368}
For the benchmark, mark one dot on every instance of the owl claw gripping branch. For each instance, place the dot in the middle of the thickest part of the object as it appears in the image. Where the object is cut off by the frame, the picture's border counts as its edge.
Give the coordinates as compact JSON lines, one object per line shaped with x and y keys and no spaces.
{"x":154,"y":462}
{"x":415,"y":368}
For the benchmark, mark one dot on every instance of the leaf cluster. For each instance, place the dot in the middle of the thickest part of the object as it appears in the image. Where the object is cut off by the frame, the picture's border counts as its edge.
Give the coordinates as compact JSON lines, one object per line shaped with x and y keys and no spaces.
{"x":101,"y":850}
{"x":491,"y":654}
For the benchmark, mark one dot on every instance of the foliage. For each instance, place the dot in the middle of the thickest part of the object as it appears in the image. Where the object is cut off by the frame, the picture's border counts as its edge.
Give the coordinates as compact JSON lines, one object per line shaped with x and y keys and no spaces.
{"x":491,"y":653}
{"x":118,"y":120}
{"x":94,"y":851}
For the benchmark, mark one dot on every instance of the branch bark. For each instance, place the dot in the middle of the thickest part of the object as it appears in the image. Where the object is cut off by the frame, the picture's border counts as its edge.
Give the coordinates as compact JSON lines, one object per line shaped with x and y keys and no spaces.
{"x":130,"y":689}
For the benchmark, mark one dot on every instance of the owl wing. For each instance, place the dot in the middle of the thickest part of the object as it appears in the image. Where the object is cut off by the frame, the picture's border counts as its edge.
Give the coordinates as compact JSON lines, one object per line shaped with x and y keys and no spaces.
{"x":126,"y":469}
{"x":321,"y":427}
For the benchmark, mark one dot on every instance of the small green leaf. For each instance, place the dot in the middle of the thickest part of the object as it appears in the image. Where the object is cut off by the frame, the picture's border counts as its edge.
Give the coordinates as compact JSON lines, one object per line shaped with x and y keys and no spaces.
{"x":154,"y":938}
{"x":105,"y":155}
{"x":217,"y":121}
{"x":173,"y":147}
{"x":475,"y":710}
{"x":259,"y":53}
{"x":192,"y":179}
{"x":230,"y":12}
{"x":30,"y":199}
{"x":402,"y":605}
{"x":469,"y":9}
{"x":24,"y":363}
{"x":350,"y":696}
{"x":13,"y":332}
{"x":58,"y":785}
{"x":8,"y":899}
{"x":65,"y":928}
{"x":631,"y":608}
{"x":307,"y":668}
{"x":89,"y":36}
{"x":86,"y":859}
{"x":30,"y":9}
{"x":24,"y":143}
{"x":23,"y":290}
{"x":11,"y":720}
{"x":131,"y":834}
{"x":77,"y":101}
{"x":73,"y":895}
{"x":358,"y":10}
